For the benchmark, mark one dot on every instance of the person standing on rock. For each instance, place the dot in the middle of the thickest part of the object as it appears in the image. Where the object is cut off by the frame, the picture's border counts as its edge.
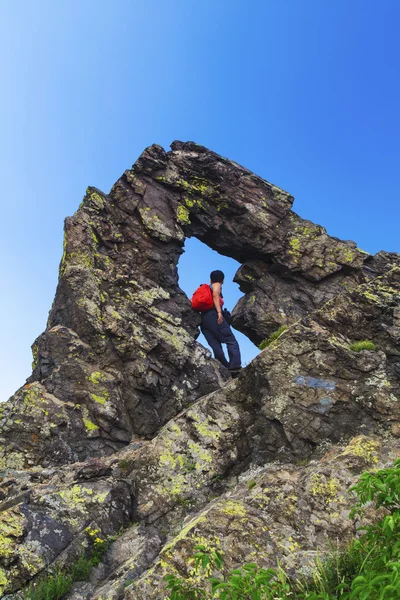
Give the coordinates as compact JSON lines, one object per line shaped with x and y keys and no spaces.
{"x":215,"y":327}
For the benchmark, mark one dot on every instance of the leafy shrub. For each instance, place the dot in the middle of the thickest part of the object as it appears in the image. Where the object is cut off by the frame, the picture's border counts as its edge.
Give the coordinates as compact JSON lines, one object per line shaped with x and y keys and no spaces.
{"x":364,"y":345}
{"x":274,"y":336}
{"x":368,"y":569}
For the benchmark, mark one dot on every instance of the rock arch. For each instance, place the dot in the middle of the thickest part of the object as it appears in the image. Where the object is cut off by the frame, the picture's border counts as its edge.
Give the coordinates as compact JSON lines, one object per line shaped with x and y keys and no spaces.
{"x":118,"y":358}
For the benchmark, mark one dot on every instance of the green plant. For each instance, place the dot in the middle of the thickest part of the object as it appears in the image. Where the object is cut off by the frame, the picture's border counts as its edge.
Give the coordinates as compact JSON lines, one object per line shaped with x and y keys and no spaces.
{"x":251,"y":484}
{"x":247,"y":582}
{"x":274,"y":336}
{"x":53,"y":587}
{"x":80,"y":570}
{"x":125,"y":464}
{"x":367,"y":569}
{"x":99,"y":546}
{"x":336,"y":569}
{"x":363,"y":345}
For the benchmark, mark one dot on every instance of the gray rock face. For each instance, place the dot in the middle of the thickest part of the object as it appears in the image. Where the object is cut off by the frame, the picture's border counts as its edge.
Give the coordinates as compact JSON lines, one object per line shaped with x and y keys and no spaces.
{"x":126,"y":418}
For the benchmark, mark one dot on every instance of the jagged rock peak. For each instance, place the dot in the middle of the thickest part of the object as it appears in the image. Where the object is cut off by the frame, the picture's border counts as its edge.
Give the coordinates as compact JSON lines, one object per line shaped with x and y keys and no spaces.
{"x":119,"y":357}
{"x":126,"y":418}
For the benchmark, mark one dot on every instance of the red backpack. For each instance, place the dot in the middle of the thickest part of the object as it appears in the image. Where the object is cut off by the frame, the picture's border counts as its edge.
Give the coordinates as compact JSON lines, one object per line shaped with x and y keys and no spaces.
{"x":202,"y":299}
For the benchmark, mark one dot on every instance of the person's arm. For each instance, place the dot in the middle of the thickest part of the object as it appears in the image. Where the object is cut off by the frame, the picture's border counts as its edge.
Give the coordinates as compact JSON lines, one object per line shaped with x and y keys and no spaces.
{"x":217,"y":302}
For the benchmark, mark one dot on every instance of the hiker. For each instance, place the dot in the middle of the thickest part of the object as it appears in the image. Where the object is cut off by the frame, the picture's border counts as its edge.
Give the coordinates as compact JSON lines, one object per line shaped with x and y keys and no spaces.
{"x":214,"y":325}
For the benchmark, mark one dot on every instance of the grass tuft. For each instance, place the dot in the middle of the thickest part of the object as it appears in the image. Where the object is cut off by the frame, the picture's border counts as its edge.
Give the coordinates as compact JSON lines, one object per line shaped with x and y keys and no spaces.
{"x":274,"y":336}
{"x":363,"y":345}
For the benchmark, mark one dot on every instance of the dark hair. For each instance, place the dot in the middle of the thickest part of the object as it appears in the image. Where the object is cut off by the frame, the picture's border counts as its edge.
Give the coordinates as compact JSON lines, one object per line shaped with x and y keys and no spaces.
{"x":217,"y":276}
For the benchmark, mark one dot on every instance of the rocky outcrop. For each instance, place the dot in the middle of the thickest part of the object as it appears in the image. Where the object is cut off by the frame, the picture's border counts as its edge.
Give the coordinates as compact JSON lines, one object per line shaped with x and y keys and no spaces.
{"x":127,"y":419}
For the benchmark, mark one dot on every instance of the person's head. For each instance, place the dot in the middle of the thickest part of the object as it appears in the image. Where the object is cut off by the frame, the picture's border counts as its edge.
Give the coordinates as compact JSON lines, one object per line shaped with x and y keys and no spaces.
{"x":217,"y":277}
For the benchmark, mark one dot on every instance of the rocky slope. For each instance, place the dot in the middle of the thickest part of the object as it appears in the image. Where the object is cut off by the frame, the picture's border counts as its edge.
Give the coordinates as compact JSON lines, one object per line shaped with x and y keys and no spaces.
{"x":128,"y":427}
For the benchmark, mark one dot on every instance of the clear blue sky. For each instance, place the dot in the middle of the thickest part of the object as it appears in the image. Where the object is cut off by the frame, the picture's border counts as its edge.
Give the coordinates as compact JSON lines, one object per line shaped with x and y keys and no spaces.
{"x":303,"y":92}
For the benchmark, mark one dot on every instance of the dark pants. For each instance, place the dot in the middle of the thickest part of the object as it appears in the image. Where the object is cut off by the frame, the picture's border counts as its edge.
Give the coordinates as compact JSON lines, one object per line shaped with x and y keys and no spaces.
{"x":220,"y":334}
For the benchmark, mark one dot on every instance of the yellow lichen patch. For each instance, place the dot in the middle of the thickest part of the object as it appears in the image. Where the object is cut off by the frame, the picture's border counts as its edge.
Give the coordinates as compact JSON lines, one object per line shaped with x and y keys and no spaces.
{"x":99,"y":400}
{"x":3,"y":581}
{"x":363,"y":447}
{"x":261,"y":499}
{"x":203,"y":426}
{"x":12,"y":460}
{"x":181,"y":468}
{"x":79,"y":258}
{"x":295,"y":244}
{"x":175,"y":428}
{"x":148,"y":296}
{"x":97,"y":200}
{"x":96,"y":377}
{"x":182,"y":214}
{"x":154,"y":225}
{"x":204,"y":457}
{"x":325,"y":487}
{"x":78,"y":496}
{"x":232,"y":508}
{"x":348,"y":254}
{"x":189,"y":529}
{"x":11,"y":528}
{"x":30,"y":559}
{"x":178,"y":554}
{"x":33,"y":400}
{"x":89,"y":426}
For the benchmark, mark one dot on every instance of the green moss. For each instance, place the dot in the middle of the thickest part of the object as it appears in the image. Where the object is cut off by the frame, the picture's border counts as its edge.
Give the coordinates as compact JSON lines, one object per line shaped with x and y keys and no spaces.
{"x":362,"y":345}
{"x":273,"y":337}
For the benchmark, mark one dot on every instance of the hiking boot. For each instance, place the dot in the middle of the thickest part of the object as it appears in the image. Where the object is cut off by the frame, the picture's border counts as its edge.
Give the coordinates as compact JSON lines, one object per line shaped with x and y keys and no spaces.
{"x":235,"y":372}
